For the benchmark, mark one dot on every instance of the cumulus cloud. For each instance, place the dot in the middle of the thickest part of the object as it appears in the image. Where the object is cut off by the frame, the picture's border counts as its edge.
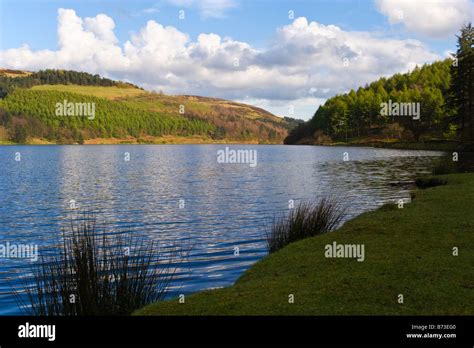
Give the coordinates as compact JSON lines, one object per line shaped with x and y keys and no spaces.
{"x":430,"y":18}
{"x":207,"y":8}
{"x":87,"y":45}
{"x":305,"y":62}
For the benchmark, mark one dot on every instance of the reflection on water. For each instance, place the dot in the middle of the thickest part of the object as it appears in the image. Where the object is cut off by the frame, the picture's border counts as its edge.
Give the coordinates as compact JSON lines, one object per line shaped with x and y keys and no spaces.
{"x":223,"y":205}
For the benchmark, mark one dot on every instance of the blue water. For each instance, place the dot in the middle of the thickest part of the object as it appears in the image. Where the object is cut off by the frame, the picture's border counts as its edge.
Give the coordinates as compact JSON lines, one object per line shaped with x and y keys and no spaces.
{"x":225,"y":205}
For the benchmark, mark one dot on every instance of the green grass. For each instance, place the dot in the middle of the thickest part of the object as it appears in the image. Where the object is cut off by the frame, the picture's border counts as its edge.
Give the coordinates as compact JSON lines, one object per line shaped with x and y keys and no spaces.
{"x":111,"y":92}
{"x":407,"y":251}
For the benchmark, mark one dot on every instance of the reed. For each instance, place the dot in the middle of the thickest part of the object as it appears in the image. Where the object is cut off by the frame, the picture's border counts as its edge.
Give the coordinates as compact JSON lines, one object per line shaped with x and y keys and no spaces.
{"x":305,"y":220}
{"x":94,"y":273}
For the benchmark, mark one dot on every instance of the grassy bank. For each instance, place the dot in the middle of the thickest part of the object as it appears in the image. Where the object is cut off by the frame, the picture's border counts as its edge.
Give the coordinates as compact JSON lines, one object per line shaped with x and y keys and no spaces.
{"x":408,"y":251}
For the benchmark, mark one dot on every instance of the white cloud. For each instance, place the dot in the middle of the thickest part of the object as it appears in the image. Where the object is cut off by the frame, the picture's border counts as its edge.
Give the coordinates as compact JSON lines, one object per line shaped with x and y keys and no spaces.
{"x":150,"y":10}
{"x":305,"y":63}
{"x":103,"y":28}
{"x":207,"y":8}
{"x":434,"y":18}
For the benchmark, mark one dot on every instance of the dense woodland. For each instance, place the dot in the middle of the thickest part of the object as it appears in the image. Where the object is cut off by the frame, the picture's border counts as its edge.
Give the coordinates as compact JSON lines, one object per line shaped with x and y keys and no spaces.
{"x":30,"y":113}
{"x":444,"y":91}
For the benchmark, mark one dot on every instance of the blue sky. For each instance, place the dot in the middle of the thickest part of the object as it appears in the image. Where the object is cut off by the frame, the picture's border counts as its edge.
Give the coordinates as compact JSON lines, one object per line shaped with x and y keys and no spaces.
{"x":252,"y":21}
{"x":259,"y":35}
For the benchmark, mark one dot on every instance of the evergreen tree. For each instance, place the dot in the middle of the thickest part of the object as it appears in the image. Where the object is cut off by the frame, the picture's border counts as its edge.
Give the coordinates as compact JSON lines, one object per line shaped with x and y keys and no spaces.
{"x":358,"y":113}
{"x":19,"y":134}
{"x":462,"y":86}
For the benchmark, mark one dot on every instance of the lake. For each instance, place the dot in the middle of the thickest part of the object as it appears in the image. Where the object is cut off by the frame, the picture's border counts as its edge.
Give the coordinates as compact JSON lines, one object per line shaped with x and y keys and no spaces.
{"x":181,"y":195}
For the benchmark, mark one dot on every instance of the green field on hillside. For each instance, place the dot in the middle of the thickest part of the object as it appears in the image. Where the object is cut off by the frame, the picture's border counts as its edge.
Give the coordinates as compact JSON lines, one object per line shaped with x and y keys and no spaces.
{"x":112,"y":92}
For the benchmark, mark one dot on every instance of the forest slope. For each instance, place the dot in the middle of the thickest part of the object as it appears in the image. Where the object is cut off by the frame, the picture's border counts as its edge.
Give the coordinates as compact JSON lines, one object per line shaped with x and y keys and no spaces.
{"x":123,"y":113}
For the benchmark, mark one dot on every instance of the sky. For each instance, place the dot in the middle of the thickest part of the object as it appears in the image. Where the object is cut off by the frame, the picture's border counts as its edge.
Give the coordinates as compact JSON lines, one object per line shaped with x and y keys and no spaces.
{"x":287,"y":57}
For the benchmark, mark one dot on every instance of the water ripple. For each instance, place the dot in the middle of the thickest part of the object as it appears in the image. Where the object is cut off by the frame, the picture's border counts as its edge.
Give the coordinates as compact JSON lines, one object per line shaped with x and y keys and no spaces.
{"x":225,"y":206}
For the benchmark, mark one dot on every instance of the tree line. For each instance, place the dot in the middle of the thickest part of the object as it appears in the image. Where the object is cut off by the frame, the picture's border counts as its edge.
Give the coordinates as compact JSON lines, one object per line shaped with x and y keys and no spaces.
{"x":56,"y":77}
{"x":443,"y":90}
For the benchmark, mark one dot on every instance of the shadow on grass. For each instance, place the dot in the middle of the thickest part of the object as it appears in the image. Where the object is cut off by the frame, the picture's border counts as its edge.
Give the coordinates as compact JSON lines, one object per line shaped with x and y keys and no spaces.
{"x":427,"y":182}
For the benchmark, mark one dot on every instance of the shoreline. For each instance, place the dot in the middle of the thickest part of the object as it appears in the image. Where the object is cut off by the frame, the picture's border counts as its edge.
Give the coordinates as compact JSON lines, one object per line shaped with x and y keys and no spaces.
{"x":424,"y":146}
{"x":159,"y":141}
{"x":412,"y":255}
{"x":434,"y":145}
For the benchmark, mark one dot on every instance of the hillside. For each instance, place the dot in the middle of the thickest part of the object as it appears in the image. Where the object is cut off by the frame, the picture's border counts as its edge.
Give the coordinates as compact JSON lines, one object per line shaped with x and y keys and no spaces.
{"x":359,"y":117}
{"x":110,"y":93}
{"x":14,"y":73}
{"x":124,"y":113}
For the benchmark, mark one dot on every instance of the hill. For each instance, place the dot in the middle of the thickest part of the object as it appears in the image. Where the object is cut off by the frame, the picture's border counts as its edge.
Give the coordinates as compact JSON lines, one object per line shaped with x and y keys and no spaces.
{"x":124,"y":113}
{"x":14,"y":73}
{"x":359,"y":116}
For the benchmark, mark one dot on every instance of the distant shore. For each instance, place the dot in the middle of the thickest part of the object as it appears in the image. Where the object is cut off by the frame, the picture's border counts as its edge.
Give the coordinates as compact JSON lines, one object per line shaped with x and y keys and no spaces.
{"x":434,"y":145}
{"x":429,"y":145}
{"x":197,"y":140}
{"x":164,"y":140}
